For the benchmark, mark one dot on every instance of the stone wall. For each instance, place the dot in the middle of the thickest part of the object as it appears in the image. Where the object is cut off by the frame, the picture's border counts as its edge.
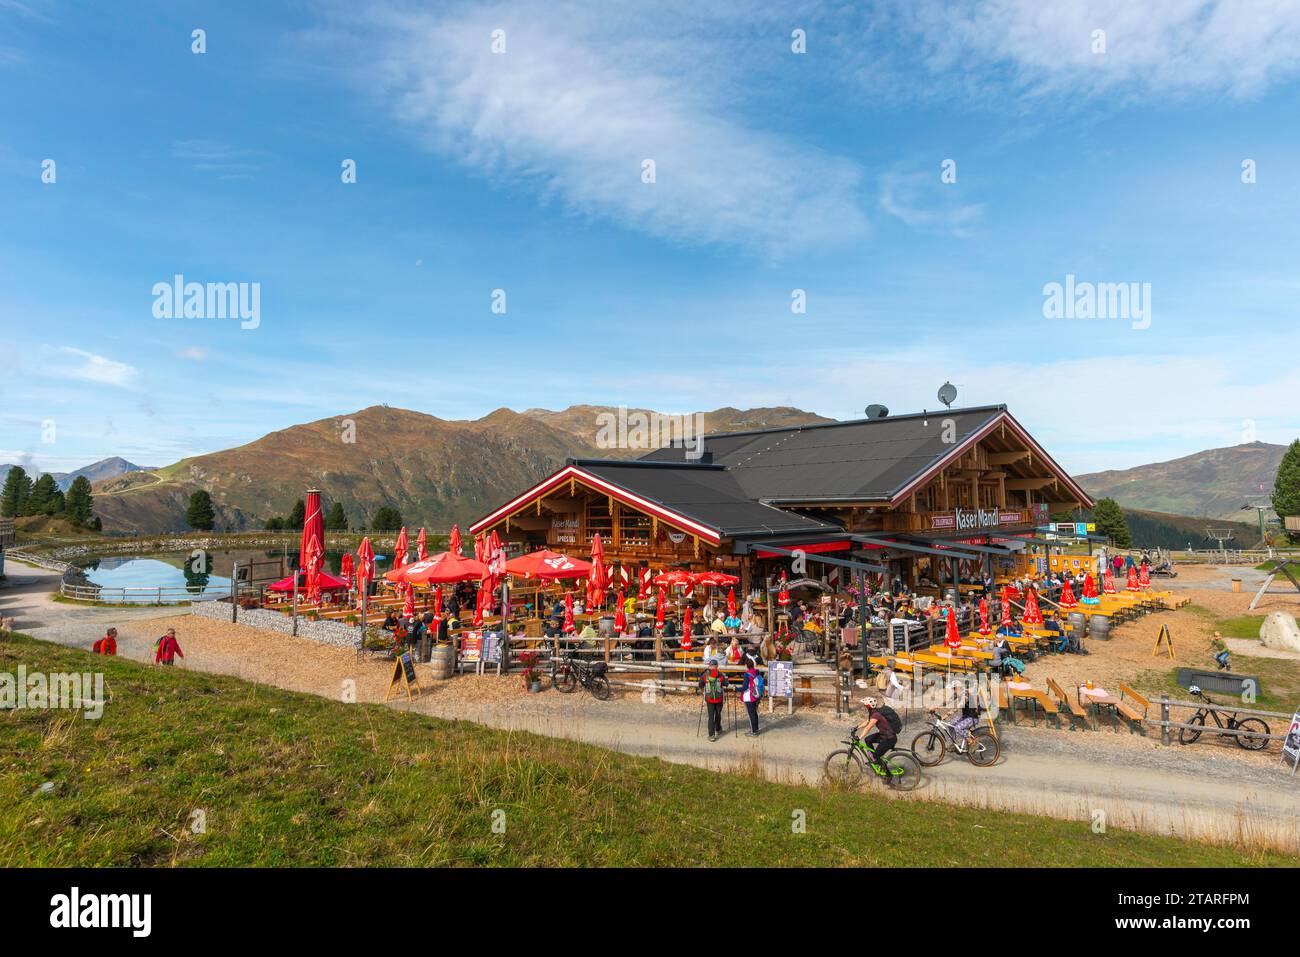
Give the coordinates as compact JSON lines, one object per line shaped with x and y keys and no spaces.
{"x":326,"y":632}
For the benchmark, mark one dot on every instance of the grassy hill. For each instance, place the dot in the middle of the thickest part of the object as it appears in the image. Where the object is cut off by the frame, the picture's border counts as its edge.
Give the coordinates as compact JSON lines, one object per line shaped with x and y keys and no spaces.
{"x":288,"y":779}
{"x":434,"y":471}
{"x":1152,"y":529}
{"x":1214,"y":483}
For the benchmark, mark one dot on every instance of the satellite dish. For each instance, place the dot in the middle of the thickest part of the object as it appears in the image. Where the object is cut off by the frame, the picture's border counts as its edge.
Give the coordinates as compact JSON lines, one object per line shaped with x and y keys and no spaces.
{"x":876,"y":412}
{"x":947,"y":393}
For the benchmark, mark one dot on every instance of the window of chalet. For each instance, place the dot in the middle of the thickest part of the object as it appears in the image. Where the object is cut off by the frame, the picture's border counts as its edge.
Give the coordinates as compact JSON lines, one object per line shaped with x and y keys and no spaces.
{"x":599,"y":520}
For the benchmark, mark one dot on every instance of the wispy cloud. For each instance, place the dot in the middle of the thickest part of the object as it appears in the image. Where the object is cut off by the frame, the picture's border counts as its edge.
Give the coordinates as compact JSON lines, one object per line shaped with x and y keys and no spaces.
{"x":100,"y":369}
{"x":212,"y":156}
{"x":923,"y":202}
{"x":577,"y":103}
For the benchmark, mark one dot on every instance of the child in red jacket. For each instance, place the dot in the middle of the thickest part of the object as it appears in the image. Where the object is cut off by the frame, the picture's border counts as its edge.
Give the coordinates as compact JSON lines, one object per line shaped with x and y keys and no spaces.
{"x":168,"y":649}
{"x":108,"y":644}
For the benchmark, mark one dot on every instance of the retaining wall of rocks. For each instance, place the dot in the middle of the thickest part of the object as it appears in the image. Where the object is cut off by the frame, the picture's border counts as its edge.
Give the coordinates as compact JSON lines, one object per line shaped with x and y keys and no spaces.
{"x":335,"y":633}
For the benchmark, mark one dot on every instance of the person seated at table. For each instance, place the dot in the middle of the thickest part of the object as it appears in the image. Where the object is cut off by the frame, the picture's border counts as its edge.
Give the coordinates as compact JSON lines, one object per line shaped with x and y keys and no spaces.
{"x":670,"y":628}
{"x":629,"y":605}
{"x":552,"y":628}
{"x":578,"y":606}
{"x":589,"y":634}
{"x":718,"y":626}
{"x":734,"y":652}
{"x":1053,"y":624}
{"x":391,"y":622}
{"x":1012,"y":630}
{"x":557,"y":610}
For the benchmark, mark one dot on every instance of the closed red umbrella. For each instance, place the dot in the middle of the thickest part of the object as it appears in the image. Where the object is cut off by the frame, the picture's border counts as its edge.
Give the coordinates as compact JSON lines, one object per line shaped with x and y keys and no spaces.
{"x":569,"y":628}
{"x":1144,"y":577}
{"x":402,"y":550}
{"x":731,"y":603}
{"x":659,"y":608}
{"x":548,"y":565}
{"x":365,"y":568}
{"x":686,"y":626}
{"x":346,"y":567}
{"x":620,"y":619}
{"x":421,"y":547}
{"x":408,"y":607}
{"x":984,"y":616}
{"x":1033,"y":614}
{"x":315,"y":559}
{"x":1132,"y":583}
{"x":453,"y":543}
{"x":596,"y":580}
{"x":951,"y":637}
{"x":643,"y":587}
{"x":1108,"y":583}
{"x":437,"y":599}
{"x":1090,"y":591}
{"x":1067,"y":596}
{"x":1006,"y":607}
{"x":313,"y":526}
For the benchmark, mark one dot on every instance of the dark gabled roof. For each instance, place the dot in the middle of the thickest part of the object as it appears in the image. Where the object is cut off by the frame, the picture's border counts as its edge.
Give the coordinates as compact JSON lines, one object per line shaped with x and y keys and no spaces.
{"x":860,"y":460}
{"x":706,"y":493}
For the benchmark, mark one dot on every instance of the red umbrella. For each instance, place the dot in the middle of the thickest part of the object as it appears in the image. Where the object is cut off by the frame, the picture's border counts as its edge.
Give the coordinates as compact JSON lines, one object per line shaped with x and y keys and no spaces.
{"x":346,"y":567}
{"x":569,"y":627}
{"x":437,"y":599}
{"x":620,"y":619}
{"x":1144,"y":577}
{"x":402,"y":550}
{"x":441,"y":568}
{"x":715,"y":578}
{"x":481,"y":602}
{"x":546,"y":564}
{"x":315,"y":558}
{"x":1108,"y":583}
{"x":365,"y":568}
{"x":453,"y":543}
{"x":1089,"y":590}
{"x":408,"y":608}
{"x":1006,"y":607}
{"x":1033,"y":615}
{"x":952,"y":638}
{"x":1067,"y":596}
{"x":421,"y":547}
{"x":659,"y":608}
{"x":686,"y":620}
{"x":313,"y":526}
{"x":596,"y":580}
{"x":984,"y":616}
{"x":783,"y":596}
{"x":1132,"y":584}
{"x":643,"y":589}
{"x":731,"y":603}
{"x":675,"y":578}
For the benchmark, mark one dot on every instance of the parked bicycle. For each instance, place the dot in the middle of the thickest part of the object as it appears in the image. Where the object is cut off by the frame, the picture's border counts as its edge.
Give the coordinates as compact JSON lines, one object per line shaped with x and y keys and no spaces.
{"x":1249,"y":733}
{"x":978,"y":744}
{"x":847,"y":766}
{"x":571,"y":672}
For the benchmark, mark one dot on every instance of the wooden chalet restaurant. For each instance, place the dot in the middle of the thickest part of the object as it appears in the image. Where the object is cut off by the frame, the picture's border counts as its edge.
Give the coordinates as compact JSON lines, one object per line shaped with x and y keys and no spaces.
{"x":922,"y":501}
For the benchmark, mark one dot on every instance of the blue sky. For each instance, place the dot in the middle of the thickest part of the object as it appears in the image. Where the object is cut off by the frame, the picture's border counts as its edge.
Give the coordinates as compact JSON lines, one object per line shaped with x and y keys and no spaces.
{"x":522,"y":171}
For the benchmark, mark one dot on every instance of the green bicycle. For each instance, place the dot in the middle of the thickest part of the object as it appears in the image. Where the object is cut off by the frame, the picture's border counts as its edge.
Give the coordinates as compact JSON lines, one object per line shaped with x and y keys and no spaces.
{"x":848,"y":766}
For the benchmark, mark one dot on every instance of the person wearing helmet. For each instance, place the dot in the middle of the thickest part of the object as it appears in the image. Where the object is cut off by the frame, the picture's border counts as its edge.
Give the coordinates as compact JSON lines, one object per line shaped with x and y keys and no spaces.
{"x":875,"y":731}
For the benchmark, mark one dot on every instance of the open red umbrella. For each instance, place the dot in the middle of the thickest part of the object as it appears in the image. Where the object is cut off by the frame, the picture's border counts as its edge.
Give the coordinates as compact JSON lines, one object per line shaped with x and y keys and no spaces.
{"x":1033,"y":614}
{"x":984,"y":616}
{"x":674,"y":578}
{"x":620,"y":619}
{"x":453,"y":543}
{"x":1132,"y":583}
{"x":1067,"y":596}
{"x":715,"y":578}
{"x":445,"y":567}
{"x":421,"y":547}
{"x":659,"y":608}
{"x":951,"y":636}
{"x":569,"y":627}
{"x":731,"y":603}
{"x":548,"y":565}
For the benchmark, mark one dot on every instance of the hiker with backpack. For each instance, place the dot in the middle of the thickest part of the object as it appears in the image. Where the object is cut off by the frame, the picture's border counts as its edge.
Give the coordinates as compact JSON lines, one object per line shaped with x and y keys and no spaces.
{"x":879,"y":729}
{"x":106,"y":645}
{"x":754,"y":689}
{"x":167,"y":648}
{"x":714,"y":685}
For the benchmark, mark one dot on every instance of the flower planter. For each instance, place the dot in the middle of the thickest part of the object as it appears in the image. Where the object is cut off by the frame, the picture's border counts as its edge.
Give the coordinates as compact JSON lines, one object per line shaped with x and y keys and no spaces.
{"x":535,"y":687}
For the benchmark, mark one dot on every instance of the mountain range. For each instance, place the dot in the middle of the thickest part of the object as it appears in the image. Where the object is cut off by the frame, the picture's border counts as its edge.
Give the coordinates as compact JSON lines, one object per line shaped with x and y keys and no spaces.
{"x":438,"y":471}
{"x":95,"y":472}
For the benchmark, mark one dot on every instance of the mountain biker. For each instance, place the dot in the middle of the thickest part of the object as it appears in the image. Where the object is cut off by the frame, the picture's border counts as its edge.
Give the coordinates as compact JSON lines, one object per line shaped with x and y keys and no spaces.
{"x":714,"y":684}
{"x":876,"y":731}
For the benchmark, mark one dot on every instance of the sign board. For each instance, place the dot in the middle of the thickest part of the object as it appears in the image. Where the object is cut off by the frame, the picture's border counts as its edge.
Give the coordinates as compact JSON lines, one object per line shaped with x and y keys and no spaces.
{"x":898,"y":634}
{"x":780,"y":679}
{"x":1291,"y":745}
{"x":564,"y":529}
{"x":492,"y":647}
{"x":471,"y":647}
{"x":403,"y":671}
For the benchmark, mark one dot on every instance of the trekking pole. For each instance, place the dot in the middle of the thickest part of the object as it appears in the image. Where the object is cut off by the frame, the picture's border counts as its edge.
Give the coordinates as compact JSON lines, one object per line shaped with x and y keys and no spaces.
{"x":700,"y":717}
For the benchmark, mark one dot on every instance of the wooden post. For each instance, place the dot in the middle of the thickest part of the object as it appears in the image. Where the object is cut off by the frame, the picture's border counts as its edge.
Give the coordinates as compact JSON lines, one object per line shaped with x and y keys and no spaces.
{"x":234,"y":592}
{"x":607,"y":640}
{"x":1164,"y":719}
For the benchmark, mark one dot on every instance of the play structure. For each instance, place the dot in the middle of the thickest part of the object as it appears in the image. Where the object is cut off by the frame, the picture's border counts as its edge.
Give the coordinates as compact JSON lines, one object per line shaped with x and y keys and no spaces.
{"x":1285,"y":566}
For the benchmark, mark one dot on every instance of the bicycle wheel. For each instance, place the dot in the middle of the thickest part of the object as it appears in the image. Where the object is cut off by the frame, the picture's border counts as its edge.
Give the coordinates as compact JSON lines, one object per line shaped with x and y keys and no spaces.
{"x":983,"y":749}
{"x":600,"y":687}
{"x":1251,"y":739}
{"x":904,"y":771}
{"x":929,"y":747}
{"x":564,"y":680}
{"x":843,"y":767}
{"x":1189,"y":735}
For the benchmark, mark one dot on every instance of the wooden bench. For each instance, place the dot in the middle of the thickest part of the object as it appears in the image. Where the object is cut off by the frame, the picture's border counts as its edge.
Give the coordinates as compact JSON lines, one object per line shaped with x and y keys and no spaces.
{"x":1036,"y":700}
{"x":1129,"y":703}
{"x":1076,"y":711}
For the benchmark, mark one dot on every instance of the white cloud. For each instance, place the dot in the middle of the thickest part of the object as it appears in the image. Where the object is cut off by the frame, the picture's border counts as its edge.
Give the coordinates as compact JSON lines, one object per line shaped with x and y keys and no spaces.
{"x":100,"y":369}
{"x":1237,"y":47}
{"x":923,"y":202}
{"x":577,"y":103}
{"x":195,"y":353}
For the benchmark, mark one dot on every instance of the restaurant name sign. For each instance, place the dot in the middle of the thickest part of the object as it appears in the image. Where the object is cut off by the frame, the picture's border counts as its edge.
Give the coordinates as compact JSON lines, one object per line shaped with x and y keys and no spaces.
{"x":564,"y":529}
{"x":975,"y":519}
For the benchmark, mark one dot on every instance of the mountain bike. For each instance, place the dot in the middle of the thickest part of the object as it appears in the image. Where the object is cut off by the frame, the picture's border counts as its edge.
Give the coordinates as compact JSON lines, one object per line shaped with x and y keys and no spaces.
{"x":571,"y":672}
{"x":848,"y":766}
{"x":978,"y":744}
{"x":1245,"y":731}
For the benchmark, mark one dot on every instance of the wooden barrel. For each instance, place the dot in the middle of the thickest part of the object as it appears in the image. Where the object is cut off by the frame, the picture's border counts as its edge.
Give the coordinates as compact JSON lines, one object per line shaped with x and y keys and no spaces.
{"x":443,"y":661}
{"x":1099,"y":628}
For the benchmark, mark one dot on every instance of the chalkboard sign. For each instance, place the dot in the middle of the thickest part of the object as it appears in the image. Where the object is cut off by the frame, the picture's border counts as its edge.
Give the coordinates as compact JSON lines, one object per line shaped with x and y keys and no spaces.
{"x":492,"y":647}
{"x":780,"y":679}
{"x":898,"y":634}
{"x":408,"y":665}
{"x":403,"y":671}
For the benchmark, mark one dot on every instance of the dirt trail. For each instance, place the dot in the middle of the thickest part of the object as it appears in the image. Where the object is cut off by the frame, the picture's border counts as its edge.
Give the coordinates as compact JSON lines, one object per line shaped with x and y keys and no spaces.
{"x":1211,"y":792}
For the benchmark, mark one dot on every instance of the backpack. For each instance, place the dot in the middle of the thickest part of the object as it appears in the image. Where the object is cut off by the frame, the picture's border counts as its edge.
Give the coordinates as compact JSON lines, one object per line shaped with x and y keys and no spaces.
{"x":891,"y":716}
{"x":712,"y":686}
{"x":757,"y":687}
{"x":882,"y":683}
{"x":98,"y":647}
